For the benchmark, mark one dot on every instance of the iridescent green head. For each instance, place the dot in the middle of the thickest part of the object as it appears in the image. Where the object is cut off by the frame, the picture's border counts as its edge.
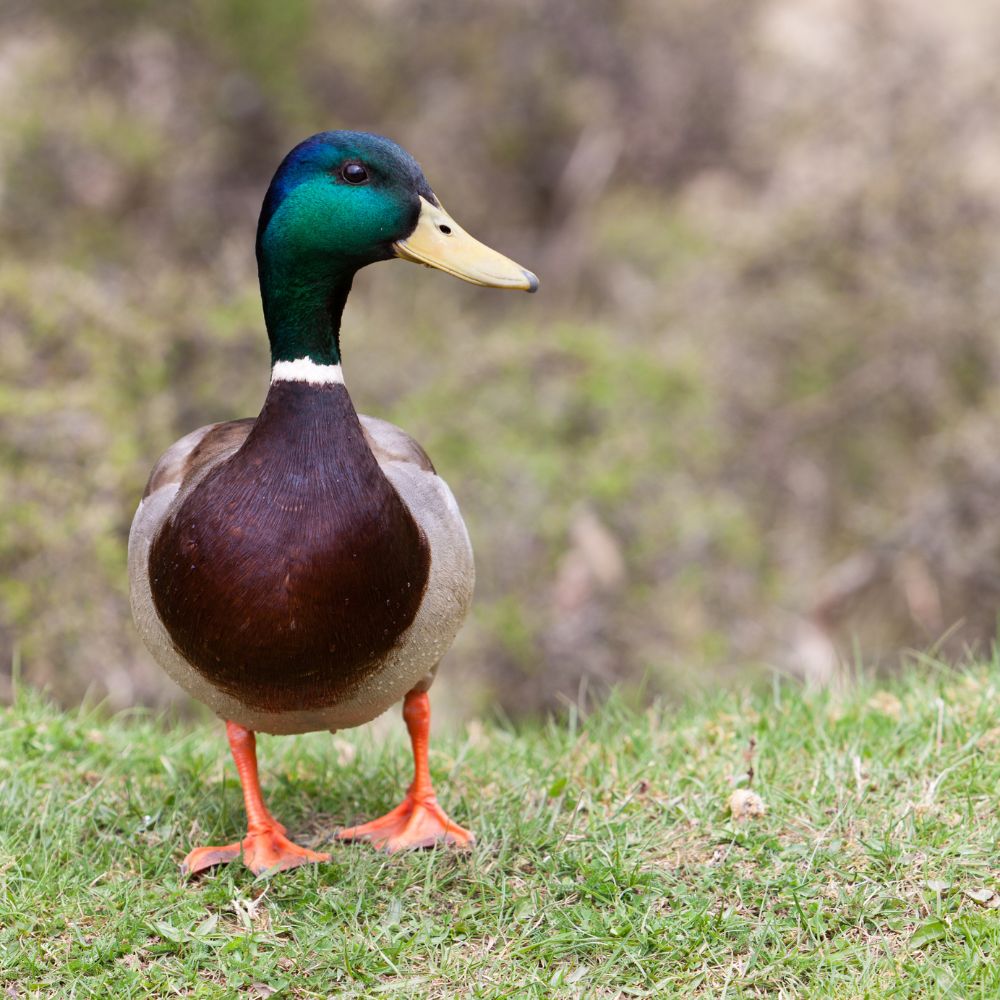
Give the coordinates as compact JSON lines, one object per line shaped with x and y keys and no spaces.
{"x":339,"y":201}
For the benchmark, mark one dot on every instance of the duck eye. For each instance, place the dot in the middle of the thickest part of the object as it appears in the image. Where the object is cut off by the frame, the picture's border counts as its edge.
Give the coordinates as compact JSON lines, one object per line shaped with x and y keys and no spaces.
{"x":354,"y":173}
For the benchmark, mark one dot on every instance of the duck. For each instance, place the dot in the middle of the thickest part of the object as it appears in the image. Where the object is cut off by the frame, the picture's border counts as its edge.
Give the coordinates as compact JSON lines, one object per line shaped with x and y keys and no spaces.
{"x":307,"y":569}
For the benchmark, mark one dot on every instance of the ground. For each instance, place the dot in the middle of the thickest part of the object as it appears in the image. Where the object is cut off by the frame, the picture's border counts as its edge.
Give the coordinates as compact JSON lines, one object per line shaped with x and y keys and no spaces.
{"x":607,"y":863}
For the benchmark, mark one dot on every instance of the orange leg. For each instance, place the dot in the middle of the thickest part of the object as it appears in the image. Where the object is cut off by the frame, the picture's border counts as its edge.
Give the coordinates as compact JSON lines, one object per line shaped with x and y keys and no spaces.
{"x":265,"y":847}
{"x":418,"y":821}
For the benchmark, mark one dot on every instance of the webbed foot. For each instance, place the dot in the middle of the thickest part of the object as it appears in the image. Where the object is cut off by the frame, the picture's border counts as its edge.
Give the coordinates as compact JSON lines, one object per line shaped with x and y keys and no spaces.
{"x":412,"y":824}
{"x":266,"y":850}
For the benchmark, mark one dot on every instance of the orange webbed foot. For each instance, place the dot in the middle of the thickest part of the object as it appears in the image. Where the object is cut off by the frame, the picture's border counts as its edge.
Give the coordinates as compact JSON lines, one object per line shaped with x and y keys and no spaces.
{"x":264,"y":850}
{"x":412,"y":824}
{"x":271,"y":851}
{"x":203,"y":858}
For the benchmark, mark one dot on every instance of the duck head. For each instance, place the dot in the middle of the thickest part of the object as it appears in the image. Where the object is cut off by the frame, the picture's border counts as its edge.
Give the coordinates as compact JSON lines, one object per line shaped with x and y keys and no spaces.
{"x":338,"y":202}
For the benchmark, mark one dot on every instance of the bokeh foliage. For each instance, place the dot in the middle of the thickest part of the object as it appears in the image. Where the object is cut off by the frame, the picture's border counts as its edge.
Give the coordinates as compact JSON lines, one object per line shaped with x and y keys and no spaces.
{"x":750,"y":416}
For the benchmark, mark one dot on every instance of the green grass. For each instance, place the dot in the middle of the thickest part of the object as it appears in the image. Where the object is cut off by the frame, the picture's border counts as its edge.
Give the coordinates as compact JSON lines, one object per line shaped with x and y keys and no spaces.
{"x":607,"y":865}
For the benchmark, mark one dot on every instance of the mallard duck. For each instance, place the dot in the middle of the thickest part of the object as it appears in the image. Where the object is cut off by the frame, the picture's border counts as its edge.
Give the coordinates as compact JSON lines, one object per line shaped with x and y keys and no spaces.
{"x":307,"y":569}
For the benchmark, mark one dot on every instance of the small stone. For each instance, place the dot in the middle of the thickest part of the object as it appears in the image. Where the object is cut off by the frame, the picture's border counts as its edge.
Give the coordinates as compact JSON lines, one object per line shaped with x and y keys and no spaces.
{"x":744,"y":804}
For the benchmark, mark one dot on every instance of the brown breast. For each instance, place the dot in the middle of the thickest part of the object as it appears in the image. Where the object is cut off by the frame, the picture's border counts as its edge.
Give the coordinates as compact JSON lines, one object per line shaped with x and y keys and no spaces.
{"x":289,"y":572}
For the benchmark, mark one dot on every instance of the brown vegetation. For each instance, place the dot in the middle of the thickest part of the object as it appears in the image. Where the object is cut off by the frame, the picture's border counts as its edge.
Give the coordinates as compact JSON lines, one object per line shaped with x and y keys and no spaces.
{"x":751,"y":417}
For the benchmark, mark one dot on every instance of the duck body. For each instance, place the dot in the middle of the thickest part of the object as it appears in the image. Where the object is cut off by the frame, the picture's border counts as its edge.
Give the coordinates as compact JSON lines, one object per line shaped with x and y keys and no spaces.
{"x":301,"y":571}
{"x":307,"y":569}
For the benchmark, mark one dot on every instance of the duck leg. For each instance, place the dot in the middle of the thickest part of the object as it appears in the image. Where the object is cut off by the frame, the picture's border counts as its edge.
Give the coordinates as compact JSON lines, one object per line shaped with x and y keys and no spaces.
{"x":265,"y":847}
{"x":418,"y":821}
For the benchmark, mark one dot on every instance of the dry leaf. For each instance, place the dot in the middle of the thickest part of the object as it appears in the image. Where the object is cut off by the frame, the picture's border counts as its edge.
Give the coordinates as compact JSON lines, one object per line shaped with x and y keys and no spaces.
{"x":346,"y":752}
{"x":475,"y":732}
{"x":989,"y":739}
{"x":984,"y":897}
{"x":744,"y":804}
{"x":886,"y":703}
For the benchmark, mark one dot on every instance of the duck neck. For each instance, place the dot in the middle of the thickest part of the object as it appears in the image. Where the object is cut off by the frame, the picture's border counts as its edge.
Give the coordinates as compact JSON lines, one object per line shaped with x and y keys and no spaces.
{"x":302,"y":311}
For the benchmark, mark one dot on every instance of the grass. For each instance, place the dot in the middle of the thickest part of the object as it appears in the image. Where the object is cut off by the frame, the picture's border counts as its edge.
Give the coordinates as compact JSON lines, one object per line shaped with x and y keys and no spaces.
{"x":607,"y":865}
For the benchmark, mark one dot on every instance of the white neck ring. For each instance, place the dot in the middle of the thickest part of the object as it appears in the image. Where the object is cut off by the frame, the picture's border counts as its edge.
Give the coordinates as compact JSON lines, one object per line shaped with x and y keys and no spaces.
{"x":306,"y":370}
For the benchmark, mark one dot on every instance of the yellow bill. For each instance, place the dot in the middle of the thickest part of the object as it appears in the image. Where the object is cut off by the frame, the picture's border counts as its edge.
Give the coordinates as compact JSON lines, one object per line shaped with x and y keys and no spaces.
{"x":439,"y":241}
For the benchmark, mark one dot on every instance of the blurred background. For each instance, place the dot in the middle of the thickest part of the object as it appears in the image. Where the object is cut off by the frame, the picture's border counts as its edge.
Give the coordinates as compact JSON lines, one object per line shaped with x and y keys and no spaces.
{"x":751,"y":420}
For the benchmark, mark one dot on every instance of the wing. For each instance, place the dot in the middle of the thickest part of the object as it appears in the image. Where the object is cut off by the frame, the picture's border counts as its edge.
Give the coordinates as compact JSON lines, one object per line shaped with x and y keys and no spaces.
{"x":430,"y":501}
{"x":391,"y":444}
{"x":196,"y":451}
